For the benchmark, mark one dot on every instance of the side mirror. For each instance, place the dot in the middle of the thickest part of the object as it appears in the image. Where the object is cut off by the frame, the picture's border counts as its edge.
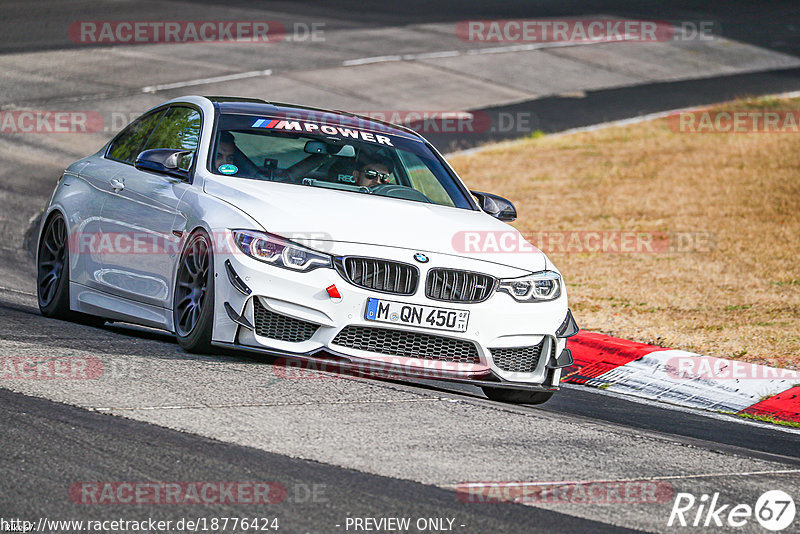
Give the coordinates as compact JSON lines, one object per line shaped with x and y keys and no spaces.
{"x":497,"y":207}
{"x":163,"y":161}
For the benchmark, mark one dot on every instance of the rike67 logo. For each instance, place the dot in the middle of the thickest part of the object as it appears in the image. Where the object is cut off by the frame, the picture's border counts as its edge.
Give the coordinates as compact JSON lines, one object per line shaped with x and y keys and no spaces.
{"x":774,"y":510}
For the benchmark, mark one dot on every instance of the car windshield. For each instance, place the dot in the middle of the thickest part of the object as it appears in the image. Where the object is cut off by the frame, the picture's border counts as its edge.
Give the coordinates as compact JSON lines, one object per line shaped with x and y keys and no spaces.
{"x":319,"y":153}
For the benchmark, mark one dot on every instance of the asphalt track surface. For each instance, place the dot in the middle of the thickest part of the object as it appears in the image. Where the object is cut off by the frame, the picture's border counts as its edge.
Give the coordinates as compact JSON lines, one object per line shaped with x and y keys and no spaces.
{"x":318,"y":497}
{"x":606,"y":105}
{"x":373,"y":448}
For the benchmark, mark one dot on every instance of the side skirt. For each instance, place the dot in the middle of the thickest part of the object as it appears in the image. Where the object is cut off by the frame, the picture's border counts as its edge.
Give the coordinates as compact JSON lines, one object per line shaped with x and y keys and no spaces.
{"x":93,"y":302}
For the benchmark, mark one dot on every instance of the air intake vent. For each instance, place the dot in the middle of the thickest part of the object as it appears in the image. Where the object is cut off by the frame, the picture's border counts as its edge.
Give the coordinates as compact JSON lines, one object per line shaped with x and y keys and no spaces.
{"x":518,"y":359}
{"x":276,"y":326}
{"x":407,"y":344}
{"x":381,"y":275}
{"x":451,"y":285}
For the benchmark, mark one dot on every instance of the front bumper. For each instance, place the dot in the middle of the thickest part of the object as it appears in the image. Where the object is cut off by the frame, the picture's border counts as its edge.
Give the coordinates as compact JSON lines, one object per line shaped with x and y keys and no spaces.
{"x":500,"y":324}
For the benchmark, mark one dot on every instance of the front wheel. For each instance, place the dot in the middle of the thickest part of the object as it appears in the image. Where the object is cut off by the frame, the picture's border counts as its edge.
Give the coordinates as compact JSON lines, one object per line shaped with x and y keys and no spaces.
{"x":193,"y":304}
{"x":517,"y":396}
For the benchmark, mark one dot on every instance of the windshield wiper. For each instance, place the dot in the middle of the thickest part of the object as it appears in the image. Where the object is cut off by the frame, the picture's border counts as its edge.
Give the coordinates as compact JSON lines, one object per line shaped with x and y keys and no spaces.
{"x":334,"y":185}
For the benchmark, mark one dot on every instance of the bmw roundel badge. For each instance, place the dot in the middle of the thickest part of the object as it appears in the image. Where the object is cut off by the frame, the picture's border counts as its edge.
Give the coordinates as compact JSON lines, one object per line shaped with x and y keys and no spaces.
{"x":420,"y":257}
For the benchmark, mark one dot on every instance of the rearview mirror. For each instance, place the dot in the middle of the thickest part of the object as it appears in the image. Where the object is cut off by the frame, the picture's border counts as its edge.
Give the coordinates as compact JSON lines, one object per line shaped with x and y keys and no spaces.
{"x":496,"y":206}
{"x":163,"y":161}
{"x":320,"y":147}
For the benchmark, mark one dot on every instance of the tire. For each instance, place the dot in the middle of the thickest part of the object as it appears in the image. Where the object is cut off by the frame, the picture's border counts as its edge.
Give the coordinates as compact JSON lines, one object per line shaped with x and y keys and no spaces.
{"x":193,"y":301}
{"x":52,"y":269}
{"x":517,"y":396}
{"x":52,"y":274}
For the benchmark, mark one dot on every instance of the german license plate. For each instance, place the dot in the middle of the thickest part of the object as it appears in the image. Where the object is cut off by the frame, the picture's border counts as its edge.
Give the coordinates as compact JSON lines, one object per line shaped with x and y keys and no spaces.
{"x":387,"y":311}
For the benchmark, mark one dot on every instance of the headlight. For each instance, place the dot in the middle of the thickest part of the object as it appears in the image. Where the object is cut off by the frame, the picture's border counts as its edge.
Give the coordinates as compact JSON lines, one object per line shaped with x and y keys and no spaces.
{"x":278,"y":251}
{"x":545,"y":285}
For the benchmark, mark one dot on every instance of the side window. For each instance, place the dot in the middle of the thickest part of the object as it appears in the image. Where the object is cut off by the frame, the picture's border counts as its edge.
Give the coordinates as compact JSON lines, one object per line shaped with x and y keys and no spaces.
{"x":179,"y":129}
{"x":423,"y":179}
{"x":129,"y":143}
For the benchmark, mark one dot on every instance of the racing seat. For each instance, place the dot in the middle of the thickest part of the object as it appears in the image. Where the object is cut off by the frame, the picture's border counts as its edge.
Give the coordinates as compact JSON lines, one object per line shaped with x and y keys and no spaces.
{"x":247,"y":168}
{"x":341,"y":171}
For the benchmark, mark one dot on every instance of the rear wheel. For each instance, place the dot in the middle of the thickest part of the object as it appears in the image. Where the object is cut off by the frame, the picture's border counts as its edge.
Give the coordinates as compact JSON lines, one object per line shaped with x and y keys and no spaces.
{"x":52,"y":274}
{"x":517,"y":396}
{"x":52,"y":281}
{"x":193,"y":305}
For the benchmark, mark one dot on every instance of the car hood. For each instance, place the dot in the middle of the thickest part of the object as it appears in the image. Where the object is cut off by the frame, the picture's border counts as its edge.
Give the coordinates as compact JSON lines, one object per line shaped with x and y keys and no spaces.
{"x":311,"y":214}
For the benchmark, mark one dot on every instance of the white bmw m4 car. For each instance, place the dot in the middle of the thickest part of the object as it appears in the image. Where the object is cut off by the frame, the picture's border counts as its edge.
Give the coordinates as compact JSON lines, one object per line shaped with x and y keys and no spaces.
{"x":315,"y":235}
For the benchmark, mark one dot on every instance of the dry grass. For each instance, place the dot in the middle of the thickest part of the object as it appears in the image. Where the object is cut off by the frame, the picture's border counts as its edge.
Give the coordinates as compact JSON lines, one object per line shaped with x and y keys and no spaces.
{"x":740,"y":299}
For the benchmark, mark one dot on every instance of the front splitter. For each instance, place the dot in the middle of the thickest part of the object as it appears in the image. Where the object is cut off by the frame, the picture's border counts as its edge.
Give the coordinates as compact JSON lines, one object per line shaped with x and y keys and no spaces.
{"x":345,"y":364}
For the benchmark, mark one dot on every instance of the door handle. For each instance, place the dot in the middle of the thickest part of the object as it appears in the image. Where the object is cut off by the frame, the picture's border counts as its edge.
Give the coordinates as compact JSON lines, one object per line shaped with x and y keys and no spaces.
{"x":117,"y":185}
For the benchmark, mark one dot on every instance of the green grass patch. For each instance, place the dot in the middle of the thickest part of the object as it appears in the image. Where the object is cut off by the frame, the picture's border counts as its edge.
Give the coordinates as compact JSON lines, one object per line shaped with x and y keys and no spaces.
{"x":769,"y":419}
{"x":536,"y":134}
{"x":786,"y":283}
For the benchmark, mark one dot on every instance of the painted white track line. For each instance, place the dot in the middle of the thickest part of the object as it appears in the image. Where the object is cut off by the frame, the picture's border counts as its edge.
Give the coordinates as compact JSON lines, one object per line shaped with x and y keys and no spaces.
{"x":204,"y":81}
{"x":665,"y":477}
{"x":17,"y":291}
{"x":473,"y":52}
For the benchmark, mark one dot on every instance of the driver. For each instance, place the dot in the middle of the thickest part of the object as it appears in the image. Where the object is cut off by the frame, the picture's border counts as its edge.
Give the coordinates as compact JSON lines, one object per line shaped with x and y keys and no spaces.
{"x":226,"y":149}
{"x":373,"y":170}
